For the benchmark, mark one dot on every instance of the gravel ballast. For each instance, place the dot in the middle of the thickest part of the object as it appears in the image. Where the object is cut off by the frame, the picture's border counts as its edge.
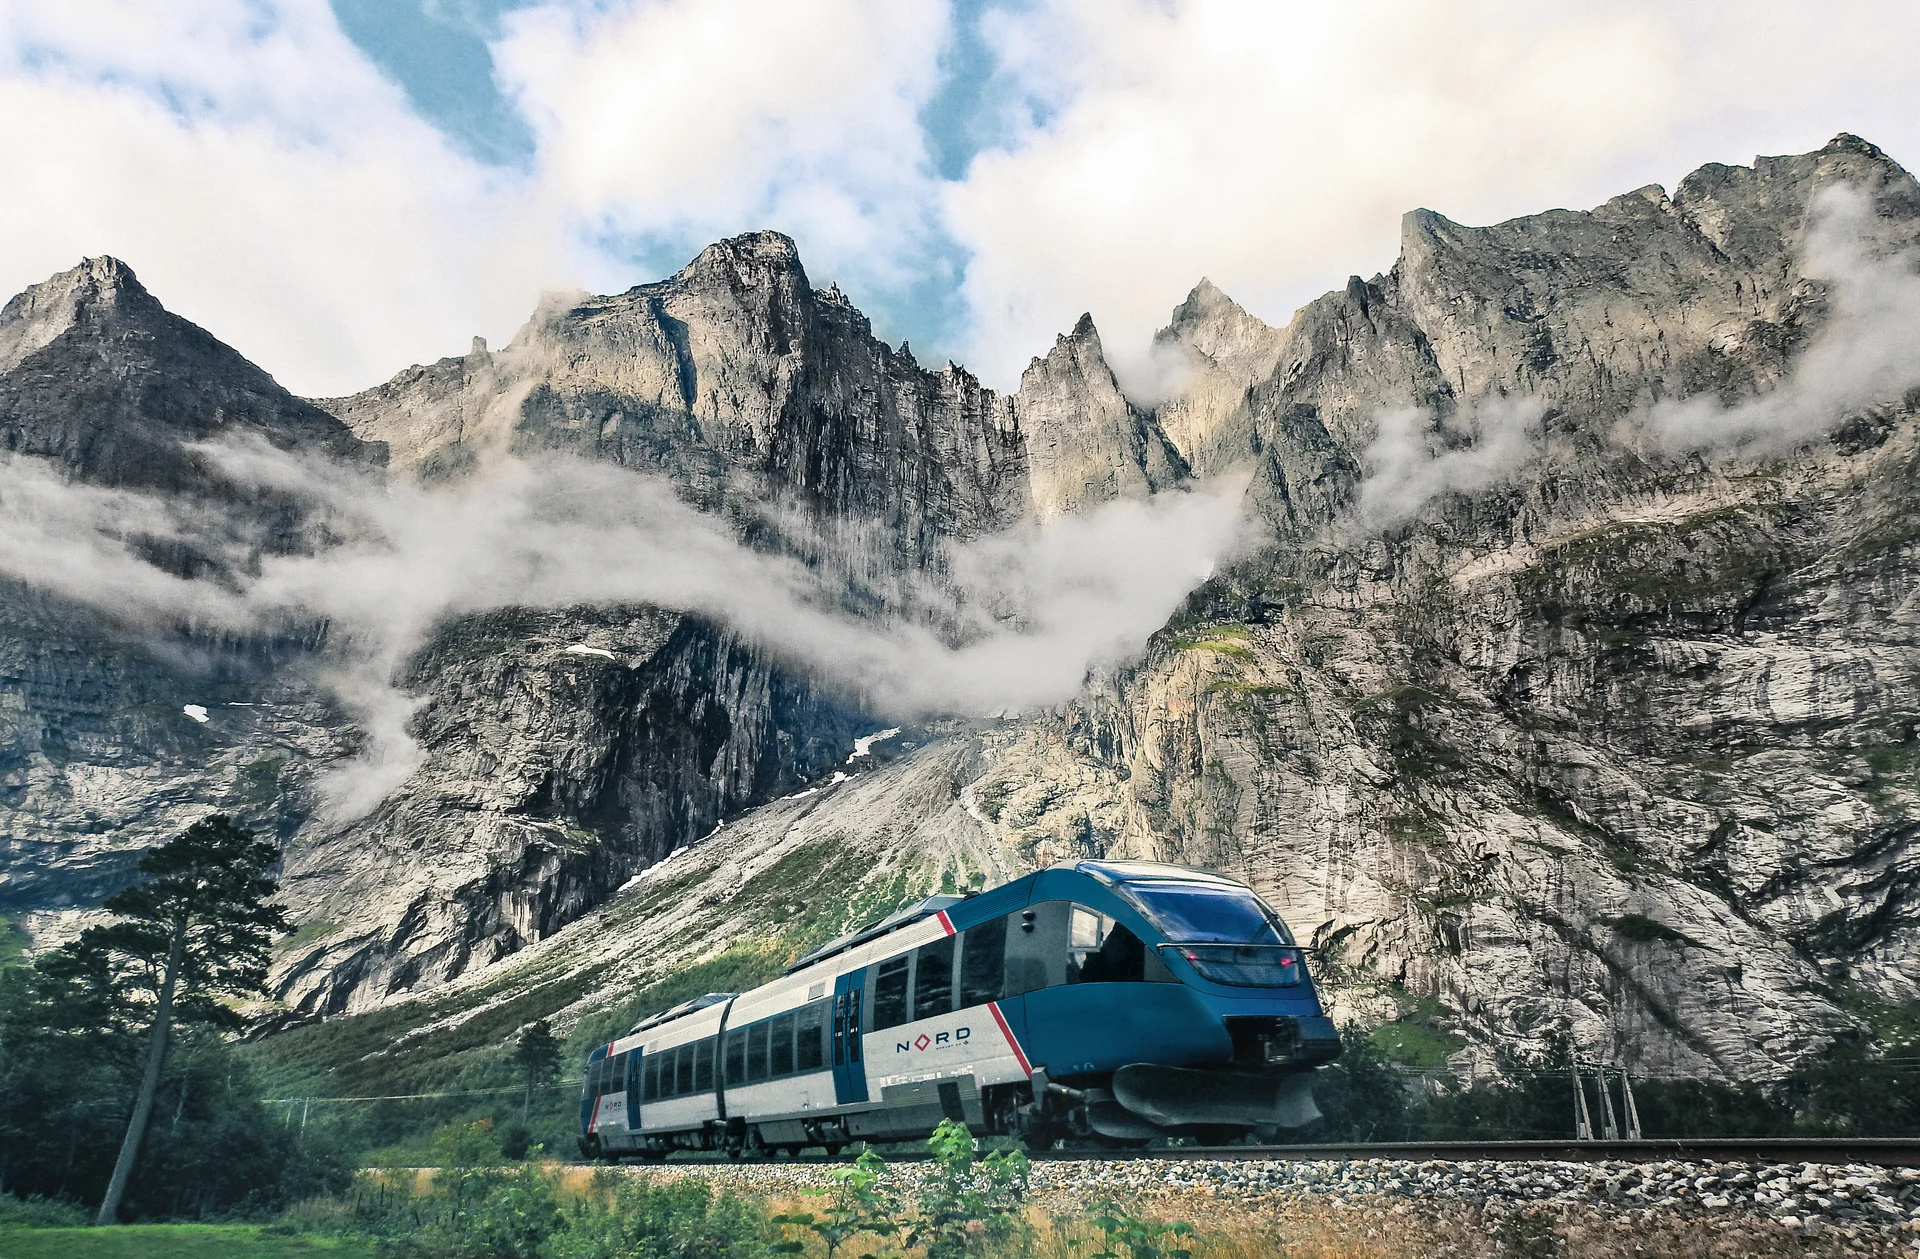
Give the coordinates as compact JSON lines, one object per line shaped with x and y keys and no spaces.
{"x":1856,"y":1200}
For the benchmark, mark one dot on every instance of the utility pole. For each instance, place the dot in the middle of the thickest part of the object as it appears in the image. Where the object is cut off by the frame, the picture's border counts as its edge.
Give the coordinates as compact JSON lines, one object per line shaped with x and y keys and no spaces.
{"x":1582,"y":1122}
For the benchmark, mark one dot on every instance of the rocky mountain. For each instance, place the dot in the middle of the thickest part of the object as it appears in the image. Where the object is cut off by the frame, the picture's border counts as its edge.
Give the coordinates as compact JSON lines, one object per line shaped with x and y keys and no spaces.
{"x":1548,"y":726}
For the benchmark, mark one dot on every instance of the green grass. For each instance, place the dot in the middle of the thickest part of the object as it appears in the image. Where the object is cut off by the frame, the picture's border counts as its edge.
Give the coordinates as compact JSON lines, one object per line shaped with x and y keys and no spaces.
{"x":168,"y":1241}
{"x":1413,"y":1045}
{"x":1227,"y":640}
{"x":13,"y":942}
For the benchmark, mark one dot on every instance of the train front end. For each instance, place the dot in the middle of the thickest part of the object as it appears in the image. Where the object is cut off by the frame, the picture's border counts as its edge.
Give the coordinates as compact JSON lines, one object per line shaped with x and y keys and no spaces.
{"x":1188,"y":1008}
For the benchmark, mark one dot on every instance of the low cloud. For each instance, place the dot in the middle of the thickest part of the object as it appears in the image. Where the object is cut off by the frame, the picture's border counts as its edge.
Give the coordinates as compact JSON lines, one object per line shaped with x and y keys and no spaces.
{"x":1409,"y":463}
{"x":1014,"y":623}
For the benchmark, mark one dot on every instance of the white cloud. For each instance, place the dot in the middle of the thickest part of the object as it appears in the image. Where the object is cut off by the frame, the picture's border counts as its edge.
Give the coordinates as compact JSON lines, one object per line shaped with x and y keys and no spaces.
{"x":263,"y":180}
{"x":1273,"y":147}
{"x":705,"y":118}
{"x":1027,"y":612}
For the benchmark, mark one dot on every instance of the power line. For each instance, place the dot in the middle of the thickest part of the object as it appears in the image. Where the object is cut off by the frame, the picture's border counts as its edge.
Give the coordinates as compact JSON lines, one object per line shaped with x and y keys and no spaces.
{"x":409,"y":1097}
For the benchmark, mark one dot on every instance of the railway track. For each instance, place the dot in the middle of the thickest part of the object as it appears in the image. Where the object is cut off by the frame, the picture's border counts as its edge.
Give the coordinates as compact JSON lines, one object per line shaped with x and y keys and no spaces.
{"x":1874,"y":1151}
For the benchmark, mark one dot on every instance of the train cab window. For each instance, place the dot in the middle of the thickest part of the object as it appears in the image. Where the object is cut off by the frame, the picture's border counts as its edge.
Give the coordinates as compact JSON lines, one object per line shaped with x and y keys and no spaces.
{"x":810,"y":1038}
{"x":781,"y":1034}
{"x":1101,"y":950}
{"x":983,"y":963}
{"x":737,"y":1056}
{"x":890,"y":994}
{"x":703,"y":1066}
{"x":756,"y":1053}
{"x":933,"y":979}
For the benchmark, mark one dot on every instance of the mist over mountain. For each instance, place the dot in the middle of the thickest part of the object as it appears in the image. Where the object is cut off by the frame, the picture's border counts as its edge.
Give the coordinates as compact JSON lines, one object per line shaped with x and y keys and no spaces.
{"x":1532,"y":623}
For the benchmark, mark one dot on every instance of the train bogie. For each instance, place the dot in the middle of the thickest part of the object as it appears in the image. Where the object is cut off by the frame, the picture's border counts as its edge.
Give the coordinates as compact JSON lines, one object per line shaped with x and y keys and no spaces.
{"x":1114,"y":1001}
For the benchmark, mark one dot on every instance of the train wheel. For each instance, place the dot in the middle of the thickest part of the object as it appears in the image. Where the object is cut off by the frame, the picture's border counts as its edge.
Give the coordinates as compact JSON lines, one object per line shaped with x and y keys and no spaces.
{"x":1039,"y":1136}
{"x":833,"y":1150}
{"x":754,"y":1146}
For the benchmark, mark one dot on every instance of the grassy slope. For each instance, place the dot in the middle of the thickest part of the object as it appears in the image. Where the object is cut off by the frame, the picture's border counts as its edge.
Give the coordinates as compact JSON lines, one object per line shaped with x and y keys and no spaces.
{"x":728,"y":914}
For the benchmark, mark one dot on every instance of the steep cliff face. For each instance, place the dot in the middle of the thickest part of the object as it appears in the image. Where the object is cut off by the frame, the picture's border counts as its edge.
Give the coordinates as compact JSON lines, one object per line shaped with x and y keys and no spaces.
{"x":100,"y":379}
{"x":99,"y":384}
{"x":564,"y":752}
{"x":1214,"y":351}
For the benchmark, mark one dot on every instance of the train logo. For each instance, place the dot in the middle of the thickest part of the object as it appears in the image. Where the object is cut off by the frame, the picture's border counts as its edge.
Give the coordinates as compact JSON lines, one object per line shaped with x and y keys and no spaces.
{"x":924,"y":1041}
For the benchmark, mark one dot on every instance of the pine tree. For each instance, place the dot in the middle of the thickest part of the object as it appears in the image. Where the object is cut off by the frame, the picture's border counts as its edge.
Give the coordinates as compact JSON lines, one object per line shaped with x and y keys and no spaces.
{"x":199,"y":929}
{"x":537,"y":1054}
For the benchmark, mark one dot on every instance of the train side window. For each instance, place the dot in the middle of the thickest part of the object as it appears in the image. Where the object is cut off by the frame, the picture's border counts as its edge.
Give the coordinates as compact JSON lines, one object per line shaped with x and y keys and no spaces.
{"x":650,"y":1077}
{"x":756,"y":1053}
{"x":703,"y":1065}
{"x":933,"y":979}
{"x":1037,"y":947}
{"x":983,"y":963}
{"x":617,"y":1074}
{"x":810,"y":1051}
{"x":1100,"y":950}
{"x":737,"y":1056}
{"x":890,"y":994}
{"x":782,"y":1035}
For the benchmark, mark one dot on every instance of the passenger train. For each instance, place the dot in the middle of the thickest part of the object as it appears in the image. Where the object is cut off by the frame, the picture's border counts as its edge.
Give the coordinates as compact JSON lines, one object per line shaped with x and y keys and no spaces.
{"x":1110,"y":1001}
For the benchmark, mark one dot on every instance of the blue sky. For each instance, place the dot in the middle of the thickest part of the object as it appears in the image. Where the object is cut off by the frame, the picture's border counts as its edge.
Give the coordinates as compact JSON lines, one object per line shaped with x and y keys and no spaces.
{"x":344,"y":187}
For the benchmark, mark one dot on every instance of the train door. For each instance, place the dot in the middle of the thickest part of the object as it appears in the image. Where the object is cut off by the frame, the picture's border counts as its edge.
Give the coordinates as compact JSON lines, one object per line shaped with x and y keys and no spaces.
{"x":849,"y":1071}
{"x":633,"y":1090}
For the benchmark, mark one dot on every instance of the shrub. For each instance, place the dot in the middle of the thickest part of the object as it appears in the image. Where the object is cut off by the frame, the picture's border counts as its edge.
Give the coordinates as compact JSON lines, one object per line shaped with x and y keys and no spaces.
{"x":969,"y":1205}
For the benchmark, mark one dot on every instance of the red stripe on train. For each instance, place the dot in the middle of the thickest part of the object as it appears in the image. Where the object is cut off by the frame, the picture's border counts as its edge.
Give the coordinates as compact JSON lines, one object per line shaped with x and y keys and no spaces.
{"x":1013,"y":1044}
{"x":946,"y":923}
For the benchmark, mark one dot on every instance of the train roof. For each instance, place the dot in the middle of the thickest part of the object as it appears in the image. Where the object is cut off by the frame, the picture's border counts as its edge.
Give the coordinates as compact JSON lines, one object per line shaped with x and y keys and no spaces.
{"x":685,"y":1007}
{"x":1109,"y":872}
{"x":873,"y":930}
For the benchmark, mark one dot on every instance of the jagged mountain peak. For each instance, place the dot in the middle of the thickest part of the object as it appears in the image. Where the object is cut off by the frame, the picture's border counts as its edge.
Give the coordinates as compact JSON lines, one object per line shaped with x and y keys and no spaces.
{"x":1217,"y":350}
{"x":1085,"y":442}
{"x":762,"y":257}
{"x":99,"y":377}
{"x":38,"y":314}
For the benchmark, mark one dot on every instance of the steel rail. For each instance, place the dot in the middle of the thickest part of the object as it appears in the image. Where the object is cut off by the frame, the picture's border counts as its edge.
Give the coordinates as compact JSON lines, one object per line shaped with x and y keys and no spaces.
{"x":1873,"y":1151}
{"x":1877,"y":1151}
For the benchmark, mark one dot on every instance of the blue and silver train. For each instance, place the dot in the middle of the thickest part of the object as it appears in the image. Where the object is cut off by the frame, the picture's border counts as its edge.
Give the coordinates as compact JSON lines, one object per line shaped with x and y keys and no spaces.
{"x":1111,"y":1001}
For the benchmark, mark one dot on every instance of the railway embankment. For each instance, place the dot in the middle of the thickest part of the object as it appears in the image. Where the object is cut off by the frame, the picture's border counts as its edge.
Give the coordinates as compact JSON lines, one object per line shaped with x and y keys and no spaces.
{"x":1770,"y":1203}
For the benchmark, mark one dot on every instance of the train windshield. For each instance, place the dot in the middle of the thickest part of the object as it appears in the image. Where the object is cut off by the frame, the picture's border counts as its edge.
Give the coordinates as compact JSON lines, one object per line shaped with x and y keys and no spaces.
{"x":1208,"y":913}
{"x":1226,"y":933}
